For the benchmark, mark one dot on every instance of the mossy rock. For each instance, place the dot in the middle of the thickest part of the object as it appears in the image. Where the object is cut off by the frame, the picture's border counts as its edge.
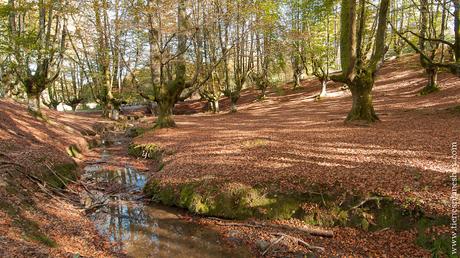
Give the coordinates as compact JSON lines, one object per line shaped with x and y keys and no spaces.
{"x":63,"y":174}
{"x":235,"y":201}
{"x":455,"y":109}
{"x":74,"y":151}
{"x":94,"y":143}
{"x":238,"y":201}
{"x":146,"y":151}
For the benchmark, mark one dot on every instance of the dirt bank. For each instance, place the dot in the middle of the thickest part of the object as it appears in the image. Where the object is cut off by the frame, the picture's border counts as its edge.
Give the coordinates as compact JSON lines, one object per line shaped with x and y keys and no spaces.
{"x":35,"y":223}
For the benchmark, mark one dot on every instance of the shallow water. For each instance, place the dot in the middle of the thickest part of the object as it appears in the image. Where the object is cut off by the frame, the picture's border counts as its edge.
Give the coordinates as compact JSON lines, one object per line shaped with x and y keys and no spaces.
{"x":144,"y":230}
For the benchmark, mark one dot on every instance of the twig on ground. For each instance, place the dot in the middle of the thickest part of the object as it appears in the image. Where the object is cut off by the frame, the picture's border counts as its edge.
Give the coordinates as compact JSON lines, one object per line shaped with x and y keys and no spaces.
{"x":303,"y":243}
{"x":56,"y":174}
{"x":273,"y":243}
{"x":373,"y":198}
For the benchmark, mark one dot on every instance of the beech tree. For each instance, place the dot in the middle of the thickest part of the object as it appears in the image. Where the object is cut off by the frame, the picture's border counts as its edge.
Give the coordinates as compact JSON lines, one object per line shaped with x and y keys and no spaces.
{"x":36,"y":36}
{"x":319,"y":22}
{"x":431,"y":41}
{"x":359,"y":68}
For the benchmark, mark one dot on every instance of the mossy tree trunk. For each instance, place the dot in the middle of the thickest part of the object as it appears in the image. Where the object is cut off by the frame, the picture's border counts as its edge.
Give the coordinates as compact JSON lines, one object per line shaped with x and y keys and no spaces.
{"x":362,"y":108}
{"x":34,"y":103}
{"x":104,"y":77}
{"x":359,"y":70}
{"x":455,"y":69}
{"x":165,"y":113}
{"x":432,"y":85}
{"x":233,"y":103}
{"x":168,"y":90}
{"x":49,"y":43}
{"x":34,"y":87}
{"x":297,"y":76}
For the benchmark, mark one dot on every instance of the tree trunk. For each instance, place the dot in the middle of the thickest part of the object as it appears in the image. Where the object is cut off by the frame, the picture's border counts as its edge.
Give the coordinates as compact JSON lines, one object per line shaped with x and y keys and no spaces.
{"x":398,"y":51}
{"x":115,"y":114}
{"x":296,"y":80}
{"x":263,"y":94}
{"x":362,"y":109}
{"x":234,"y":107}
{"x":33,"y":104}
{"x":432,"y":85}
{"x":215,"y":106}
{"x":165,"y":114}
{"x":323,"y":89}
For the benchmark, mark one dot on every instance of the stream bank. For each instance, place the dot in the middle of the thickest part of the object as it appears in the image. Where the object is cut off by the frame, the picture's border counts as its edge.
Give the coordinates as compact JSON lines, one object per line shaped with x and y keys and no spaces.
{"x":117,"y":207}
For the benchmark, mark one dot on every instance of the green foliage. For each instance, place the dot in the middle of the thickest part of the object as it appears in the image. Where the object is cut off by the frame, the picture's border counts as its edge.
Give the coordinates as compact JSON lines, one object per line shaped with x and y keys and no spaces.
{"x":440,"y":245}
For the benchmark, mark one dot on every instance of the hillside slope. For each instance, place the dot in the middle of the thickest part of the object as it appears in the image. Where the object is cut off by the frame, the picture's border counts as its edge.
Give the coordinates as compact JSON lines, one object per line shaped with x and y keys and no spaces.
{"x":34,"y":223}
{"x":291,"y":143}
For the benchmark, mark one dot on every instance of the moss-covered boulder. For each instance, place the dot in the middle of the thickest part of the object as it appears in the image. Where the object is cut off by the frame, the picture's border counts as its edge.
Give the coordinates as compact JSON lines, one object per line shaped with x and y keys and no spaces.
{"x":59,"y":175}
{"x":74,"y":151}
{"x":232,"y":200}
{"x":146,"y":151}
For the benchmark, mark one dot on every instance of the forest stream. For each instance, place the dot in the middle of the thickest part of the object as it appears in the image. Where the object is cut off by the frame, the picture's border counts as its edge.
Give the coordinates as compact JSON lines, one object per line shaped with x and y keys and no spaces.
{"x":142,"y":229}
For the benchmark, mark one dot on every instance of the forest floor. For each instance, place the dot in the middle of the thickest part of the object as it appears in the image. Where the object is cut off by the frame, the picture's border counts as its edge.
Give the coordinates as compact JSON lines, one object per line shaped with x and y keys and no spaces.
{"x":290,"y":142}
{"x":284,"y":144}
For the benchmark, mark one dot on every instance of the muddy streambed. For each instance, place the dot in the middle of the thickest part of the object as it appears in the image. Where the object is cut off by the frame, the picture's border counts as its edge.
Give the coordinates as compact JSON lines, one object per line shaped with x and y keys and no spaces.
{"x":141,"y":229}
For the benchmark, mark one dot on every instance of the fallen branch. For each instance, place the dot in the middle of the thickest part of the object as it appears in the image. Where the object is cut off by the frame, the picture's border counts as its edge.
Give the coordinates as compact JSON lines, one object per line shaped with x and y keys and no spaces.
{"x":56,"y":175}
{"x":95,"y":207}
{"x":273,"y":243}
{"x":303,"y":243}
{"x":309,"y":231}
{"x":373,"y":198}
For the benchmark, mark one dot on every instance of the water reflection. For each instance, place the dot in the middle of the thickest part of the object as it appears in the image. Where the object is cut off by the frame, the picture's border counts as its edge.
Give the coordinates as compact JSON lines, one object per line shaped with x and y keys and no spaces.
{"x":152,"y":231}
{"x":127,"y":177}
